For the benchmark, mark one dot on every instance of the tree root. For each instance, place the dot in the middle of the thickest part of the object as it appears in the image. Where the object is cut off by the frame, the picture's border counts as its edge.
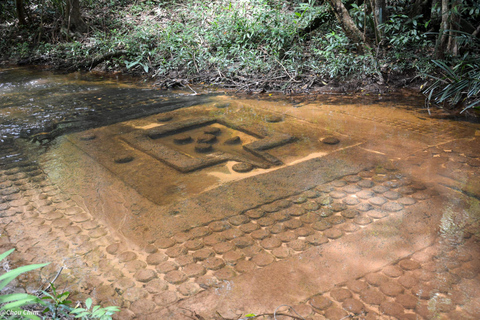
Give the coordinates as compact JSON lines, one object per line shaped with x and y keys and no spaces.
{"x":89,"y":65}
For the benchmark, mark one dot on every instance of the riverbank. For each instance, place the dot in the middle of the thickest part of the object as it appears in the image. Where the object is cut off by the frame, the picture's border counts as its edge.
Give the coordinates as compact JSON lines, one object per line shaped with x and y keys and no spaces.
{"x":249,"y":47}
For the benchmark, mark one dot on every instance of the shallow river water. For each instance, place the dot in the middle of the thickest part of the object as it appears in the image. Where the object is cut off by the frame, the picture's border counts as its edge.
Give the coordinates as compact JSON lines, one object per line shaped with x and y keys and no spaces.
{"x":171,"y":204}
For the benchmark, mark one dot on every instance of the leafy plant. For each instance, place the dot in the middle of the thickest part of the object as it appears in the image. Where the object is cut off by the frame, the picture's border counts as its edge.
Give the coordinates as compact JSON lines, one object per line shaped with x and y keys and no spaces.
{"x":458,"y":86}
{"x":401,"y":30}
{"x":94,"y":312}
{"x":56,"y":302}
{"x":12,"y":303}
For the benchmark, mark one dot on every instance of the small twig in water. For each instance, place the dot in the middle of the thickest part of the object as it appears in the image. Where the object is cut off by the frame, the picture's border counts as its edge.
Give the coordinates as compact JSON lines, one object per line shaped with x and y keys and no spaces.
{"x":195,"y":316}
{"x":40,"y":290}
{"x":276,"y":314}
{"x":195,"y":92}
{"x":291,"y":308}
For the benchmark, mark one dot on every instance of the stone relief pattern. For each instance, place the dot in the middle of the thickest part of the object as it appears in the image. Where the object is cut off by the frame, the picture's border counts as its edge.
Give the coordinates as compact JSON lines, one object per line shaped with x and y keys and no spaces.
{"x":209,"y":256}
{"x":44,"y":225}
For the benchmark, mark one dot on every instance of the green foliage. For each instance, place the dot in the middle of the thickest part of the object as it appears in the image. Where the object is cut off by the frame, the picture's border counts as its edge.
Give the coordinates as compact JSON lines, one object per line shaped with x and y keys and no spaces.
{"x":12,"y":303}
{"x":227,"y":39}
{"x":336,"y":57}
{"x":402,"y":31}
{"x":362,"y":17}
{"x":457,"y":86}
{"x":94,"y":312}
{"x":56,"y":303}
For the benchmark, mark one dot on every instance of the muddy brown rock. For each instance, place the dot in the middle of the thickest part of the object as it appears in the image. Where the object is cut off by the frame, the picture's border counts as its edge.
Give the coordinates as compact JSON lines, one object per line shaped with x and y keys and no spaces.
{"x":393,"y":271}
{"x":156,"y":258}
{"x":310,"y":206}
{"x":134,"y":294}
{"x":165,"y":298}
{"x":127,"y":256}
{"x":333,"y":233}
{"x":353,"y":305}
{"x":223,"y":247}
{"x":293,"y":224}
{"x":213,"y":239}
{"x":194,"y":244}
{"x":281,"y":252}
{"x":176,"y":277}
{"x":176,"y":251}
{"x":362,"y":220}
{"x":330,"y":140}
{"x":142,"y":306}
{"x":156,"y":286}
{"x":245,"y":266}
{"x":357,"y":286}
{"x":214,"y":263}
{"x":186,"y":259}
{"x":232,"y":257}
{"x":263,"y":259}
{"x":320,"y":302}
{"x":392,"y":309}
{"x":409,"y":264}
{"x":298,"y":245}
{"x":304,"y":231}
{"x":321,"y":225}
{"x":218,"y":226}
{"x":194,"y":270}
{"x":408,"y":301}
{"x":287,"y":236}
{"x":372,"y":296}
{"x":334,"y":220}
{"x":165,"y":243}
{"x":335,"y":313}
{"x":238,"y":220}
{"x":340,"y":294}
{"x":189,"y":288}
{"x":203,"y":147}
{"x":243,"y":242}
{"x":225,"y":273}
{"x":166,"y":266}
{"x":260,"y":234}
{"x":135,"y":265}
{"x":391,"y":288}
{"x":232,"y":233}
{"x":242,"y":167}
{"x":145,"y":275}
{"x":280,"y":216}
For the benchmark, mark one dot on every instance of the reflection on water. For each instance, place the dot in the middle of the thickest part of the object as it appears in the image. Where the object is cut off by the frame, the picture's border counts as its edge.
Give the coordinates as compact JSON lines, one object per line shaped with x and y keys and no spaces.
{"x":373,"y":203}
{"x":33,"y":102}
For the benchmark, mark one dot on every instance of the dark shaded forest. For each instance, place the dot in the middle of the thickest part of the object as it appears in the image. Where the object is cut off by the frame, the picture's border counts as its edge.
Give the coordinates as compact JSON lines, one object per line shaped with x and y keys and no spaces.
{"x":258,"y":45}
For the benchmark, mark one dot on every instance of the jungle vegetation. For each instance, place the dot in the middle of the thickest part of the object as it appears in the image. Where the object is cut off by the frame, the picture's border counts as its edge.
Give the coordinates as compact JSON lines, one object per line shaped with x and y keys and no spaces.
{"x":257,"y":45}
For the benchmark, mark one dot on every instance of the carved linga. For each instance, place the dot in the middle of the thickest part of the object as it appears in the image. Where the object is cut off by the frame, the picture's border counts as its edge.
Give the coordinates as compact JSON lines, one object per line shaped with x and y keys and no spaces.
{"x":193,"y":144}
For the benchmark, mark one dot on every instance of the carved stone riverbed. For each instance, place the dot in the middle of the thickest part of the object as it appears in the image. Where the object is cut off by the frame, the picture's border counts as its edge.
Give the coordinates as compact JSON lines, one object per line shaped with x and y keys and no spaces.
{"x":171,"y":205}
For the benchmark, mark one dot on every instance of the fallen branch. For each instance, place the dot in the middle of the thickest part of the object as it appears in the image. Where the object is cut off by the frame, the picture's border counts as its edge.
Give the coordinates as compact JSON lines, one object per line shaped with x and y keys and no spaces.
{"x":89,"y":65}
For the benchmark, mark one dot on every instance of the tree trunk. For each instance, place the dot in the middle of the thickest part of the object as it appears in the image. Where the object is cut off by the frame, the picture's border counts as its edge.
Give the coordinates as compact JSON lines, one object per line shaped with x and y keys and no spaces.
{"x":20,"y":12}
{"x":455,"y":20}
{"x":74,"y":17}
{"x":380,"y":11}
{"x":380,"y":18}
{"x":348,"y":26}
{"x":442,"y":40}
